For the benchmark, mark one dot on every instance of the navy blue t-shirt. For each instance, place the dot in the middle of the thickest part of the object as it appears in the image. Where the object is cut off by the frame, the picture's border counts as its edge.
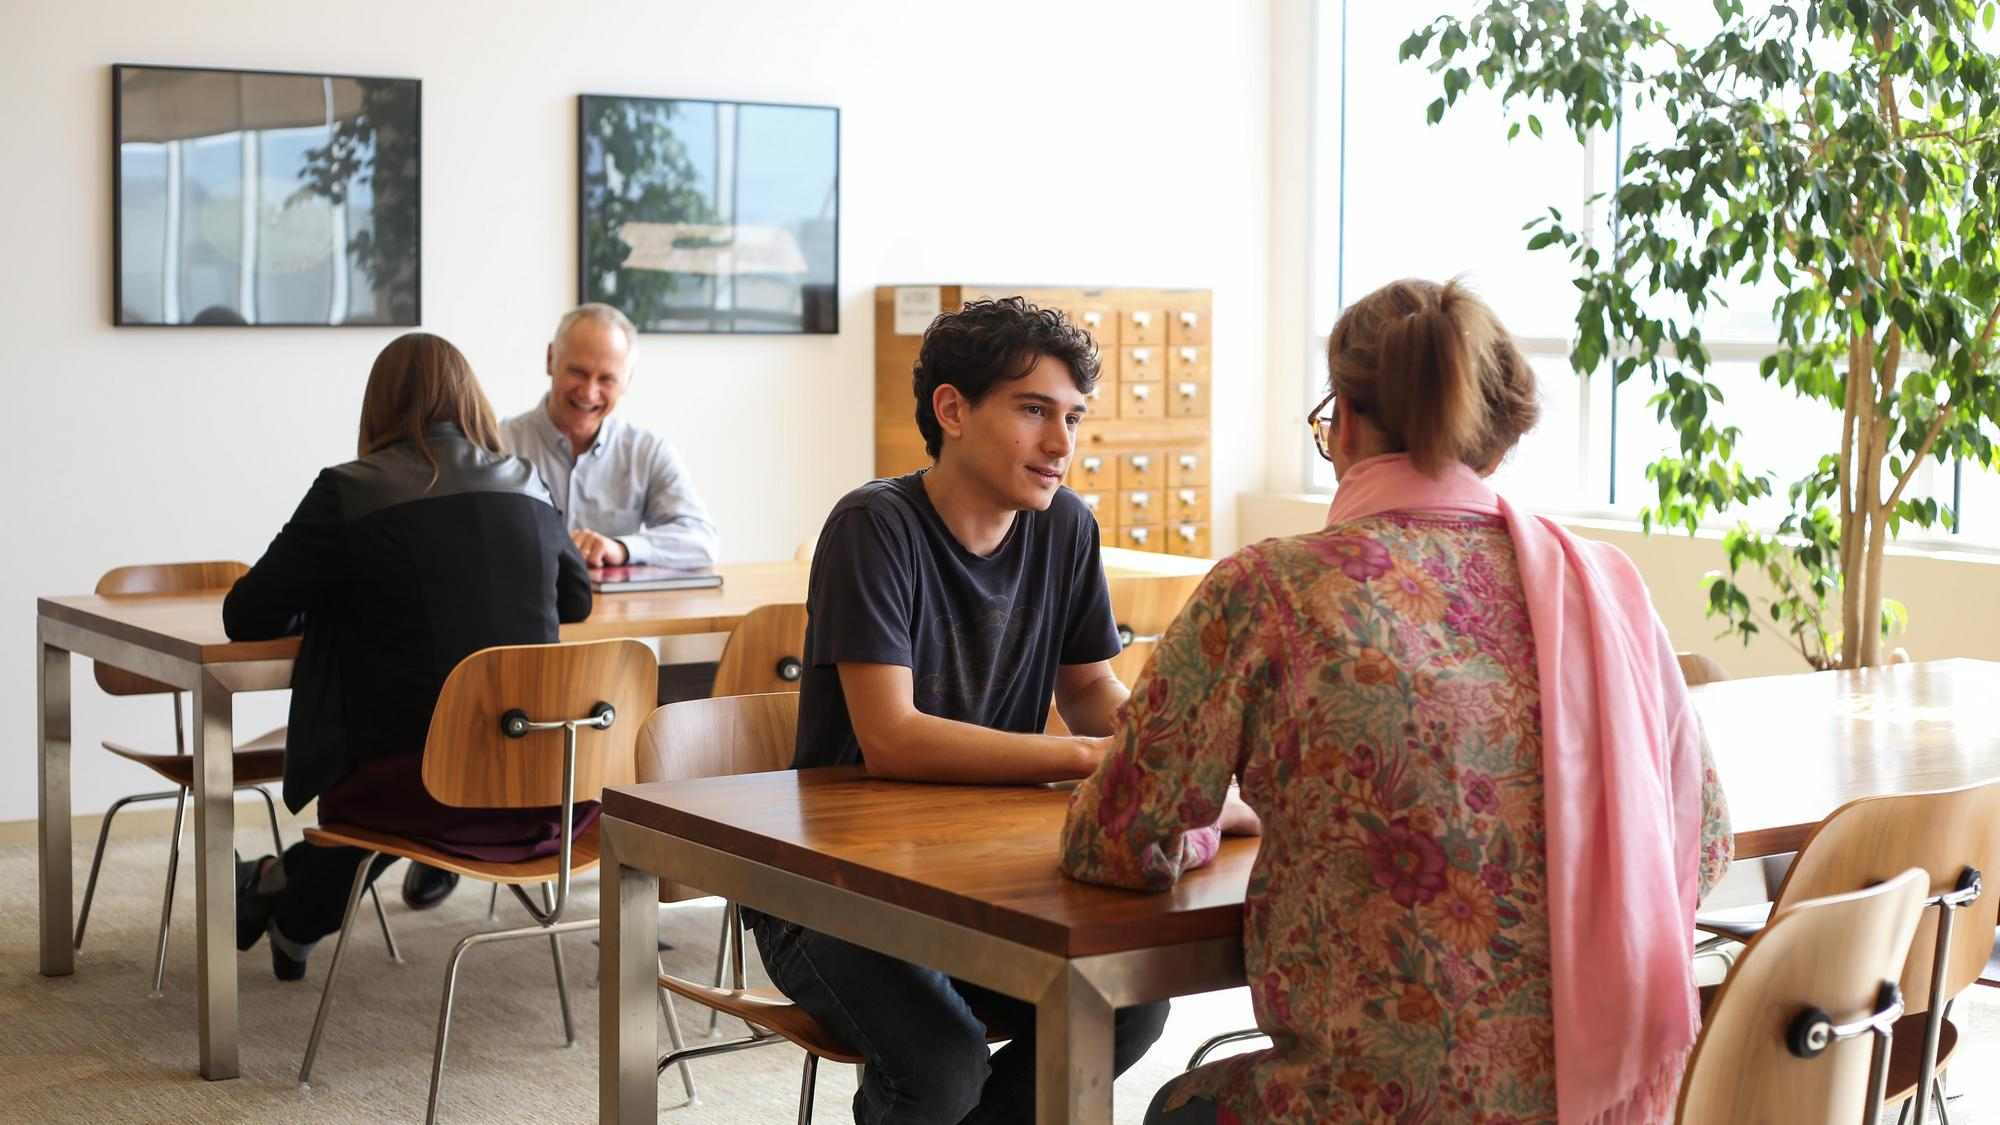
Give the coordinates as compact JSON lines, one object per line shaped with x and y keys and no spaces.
{"x":982,"y":637}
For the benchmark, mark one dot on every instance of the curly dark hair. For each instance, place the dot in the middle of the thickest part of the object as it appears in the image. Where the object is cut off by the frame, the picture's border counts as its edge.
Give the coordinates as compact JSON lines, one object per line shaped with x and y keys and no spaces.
{"x":988,"y":341}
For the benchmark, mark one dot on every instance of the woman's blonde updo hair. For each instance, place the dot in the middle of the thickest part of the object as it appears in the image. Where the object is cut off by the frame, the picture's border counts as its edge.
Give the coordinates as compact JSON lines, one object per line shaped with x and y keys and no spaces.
{"x":1432,"y":367}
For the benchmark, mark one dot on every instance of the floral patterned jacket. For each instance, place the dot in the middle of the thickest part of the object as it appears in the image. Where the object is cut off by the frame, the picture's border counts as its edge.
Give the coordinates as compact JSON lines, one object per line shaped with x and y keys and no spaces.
{"x":1373,"y":687}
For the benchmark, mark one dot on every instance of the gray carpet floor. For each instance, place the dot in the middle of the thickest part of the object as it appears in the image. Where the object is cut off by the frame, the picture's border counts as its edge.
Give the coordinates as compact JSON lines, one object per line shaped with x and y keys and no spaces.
{"x":94,"y":1047}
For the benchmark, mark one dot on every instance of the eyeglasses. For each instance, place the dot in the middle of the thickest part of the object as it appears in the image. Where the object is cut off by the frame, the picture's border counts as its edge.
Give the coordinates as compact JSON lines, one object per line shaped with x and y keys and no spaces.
{"x":1322,"y":427}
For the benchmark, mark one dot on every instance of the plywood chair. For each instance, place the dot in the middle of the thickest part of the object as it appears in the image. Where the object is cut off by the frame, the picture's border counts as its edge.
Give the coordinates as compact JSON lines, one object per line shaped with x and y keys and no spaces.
{"x":1142,"y":606}
{"x":1697,"y":669}
{"x":258,"y":763}
{"x":1782,"y":1042}
{"x":714,"y":737}
{"x":730,"y":734}
{"x":764,"y":653}
{"x":509,"y":732}
{"x":1954,"y":835}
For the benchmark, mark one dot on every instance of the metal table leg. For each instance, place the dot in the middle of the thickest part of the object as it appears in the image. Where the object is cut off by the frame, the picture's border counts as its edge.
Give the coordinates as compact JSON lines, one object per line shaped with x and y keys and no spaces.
{"x":628,"y":975}
{"x":215,"y":876}
{"x":1073,"y":1025}
{"x":52,"y":811}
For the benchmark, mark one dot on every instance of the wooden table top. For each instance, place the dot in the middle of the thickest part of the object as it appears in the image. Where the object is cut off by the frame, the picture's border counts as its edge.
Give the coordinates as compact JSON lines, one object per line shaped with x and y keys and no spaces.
{"x":1791,"y":749}
{"x":189,"y":626}
{"x":981,"y":856}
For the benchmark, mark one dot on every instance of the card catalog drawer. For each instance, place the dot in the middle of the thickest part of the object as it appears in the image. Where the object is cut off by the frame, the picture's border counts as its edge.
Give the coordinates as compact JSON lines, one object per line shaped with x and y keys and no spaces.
{"x":1187,"y":505}
{"x":1187,"y":362}
{"x":1093,"y":472}
{"x":1101,"y":321}
{"x":1140,"y":470}
{"x":1190,"y":539}
{"x":1142,"y":400}
{"x":1187,"y":398}
{"x":1187,"y":326}
{"x":1187,"y":468}
{"x":1139,"y":365}
{"x":1143,"y":537}
{"x":1146,"y":327}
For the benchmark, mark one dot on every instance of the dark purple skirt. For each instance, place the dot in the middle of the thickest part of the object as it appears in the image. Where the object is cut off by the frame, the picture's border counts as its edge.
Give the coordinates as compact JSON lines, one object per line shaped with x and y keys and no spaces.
{"x":387,"y":794}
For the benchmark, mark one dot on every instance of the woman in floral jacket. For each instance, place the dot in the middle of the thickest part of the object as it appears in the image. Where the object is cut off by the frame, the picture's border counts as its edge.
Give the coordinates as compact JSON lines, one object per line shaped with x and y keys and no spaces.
{"x":1474,"y":896}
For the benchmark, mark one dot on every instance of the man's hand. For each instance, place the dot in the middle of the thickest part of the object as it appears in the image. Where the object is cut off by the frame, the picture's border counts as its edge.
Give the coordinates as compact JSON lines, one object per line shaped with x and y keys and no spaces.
{"x":1099,"y":748}
{"x":598,"y":550}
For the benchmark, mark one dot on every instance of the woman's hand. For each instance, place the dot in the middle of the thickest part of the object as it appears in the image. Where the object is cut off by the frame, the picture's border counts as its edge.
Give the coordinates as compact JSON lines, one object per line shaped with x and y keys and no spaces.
{"x":1238,"y":819}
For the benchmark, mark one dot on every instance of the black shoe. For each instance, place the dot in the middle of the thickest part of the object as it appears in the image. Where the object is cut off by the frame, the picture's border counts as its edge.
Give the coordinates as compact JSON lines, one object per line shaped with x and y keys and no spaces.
{"x":253,"y":911}
{"x":283,"y":965}
{"x":425,"y":886}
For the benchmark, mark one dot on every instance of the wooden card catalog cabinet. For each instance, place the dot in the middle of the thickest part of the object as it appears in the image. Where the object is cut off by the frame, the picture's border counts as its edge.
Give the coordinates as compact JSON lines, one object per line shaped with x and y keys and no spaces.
{"x":1142,"y":457}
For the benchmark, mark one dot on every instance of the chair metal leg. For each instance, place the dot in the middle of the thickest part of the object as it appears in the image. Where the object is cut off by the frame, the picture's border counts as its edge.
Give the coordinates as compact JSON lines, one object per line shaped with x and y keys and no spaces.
{"x":388,"y":939}
{"x":167,"y":900}
{"x":458,"y":953}
{"x":674,"y":1037}
{"x":562,"y":979}
{"x":806,"y":1089}
{"x":493,"y":904}
{"x":721,"y":957}
{"x":271,"y":808}
{"x":97,"y":860}
{"x":333,"y":968}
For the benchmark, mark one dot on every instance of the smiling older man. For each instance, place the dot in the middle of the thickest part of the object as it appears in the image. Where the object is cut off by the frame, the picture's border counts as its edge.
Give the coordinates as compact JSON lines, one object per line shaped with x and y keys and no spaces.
{"x":620,"y":490}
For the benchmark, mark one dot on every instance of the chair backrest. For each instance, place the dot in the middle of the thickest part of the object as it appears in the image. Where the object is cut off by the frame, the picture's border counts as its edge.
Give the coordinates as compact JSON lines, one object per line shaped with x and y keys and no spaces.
{"x":158,"y":578}
{"x":719,"y":737}
{"x":767,"y":645}
{"x":1697,"y":669}
{"x":1832,"y":954}
{"x":1145,"y":605}
{"x":1866,"y":841}
{"x":728,"y":734}
{"x":470,"y":763}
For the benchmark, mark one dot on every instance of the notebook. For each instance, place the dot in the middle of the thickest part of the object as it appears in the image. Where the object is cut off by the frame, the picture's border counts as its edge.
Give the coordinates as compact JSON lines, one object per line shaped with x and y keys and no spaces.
{"x":633,"y":579}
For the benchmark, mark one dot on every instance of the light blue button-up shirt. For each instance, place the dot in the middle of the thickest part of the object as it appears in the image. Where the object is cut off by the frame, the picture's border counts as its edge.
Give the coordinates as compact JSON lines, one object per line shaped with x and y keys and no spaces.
{"x":627,"y":485}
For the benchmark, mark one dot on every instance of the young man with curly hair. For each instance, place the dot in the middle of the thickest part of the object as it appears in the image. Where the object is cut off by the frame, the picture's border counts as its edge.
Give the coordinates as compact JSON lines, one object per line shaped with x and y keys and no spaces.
{"x":946,"y":607}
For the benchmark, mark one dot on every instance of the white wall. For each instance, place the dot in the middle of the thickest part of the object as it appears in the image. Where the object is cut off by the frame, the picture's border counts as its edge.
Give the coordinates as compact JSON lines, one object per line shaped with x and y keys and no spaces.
{"x":1035,"y":141}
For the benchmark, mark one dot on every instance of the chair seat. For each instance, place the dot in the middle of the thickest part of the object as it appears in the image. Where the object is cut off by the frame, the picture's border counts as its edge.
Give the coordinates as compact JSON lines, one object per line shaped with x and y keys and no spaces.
{"x":259,"y":761}
{"x":541,"y":869}
{"x":1739,"y":922}
{"x":768,"y":1008}
{"x":1906,"y":1054}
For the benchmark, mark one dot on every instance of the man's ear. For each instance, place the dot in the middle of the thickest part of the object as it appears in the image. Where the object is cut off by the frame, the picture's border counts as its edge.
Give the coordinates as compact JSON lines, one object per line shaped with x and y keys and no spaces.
{"x":951,"y":407}
{"x":549,"y":360}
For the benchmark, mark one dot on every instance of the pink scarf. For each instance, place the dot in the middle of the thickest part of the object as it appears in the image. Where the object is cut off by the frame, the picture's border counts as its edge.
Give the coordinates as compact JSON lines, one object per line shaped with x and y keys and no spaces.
{"x":1623,"y":844}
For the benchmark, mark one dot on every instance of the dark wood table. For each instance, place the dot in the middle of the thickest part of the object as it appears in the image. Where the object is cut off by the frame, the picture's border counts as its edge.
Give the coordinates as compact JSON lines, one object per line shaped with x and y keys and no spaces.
{"x":178,"y":639}
{"x":959,"y":878}
{"x":1791,"y":749}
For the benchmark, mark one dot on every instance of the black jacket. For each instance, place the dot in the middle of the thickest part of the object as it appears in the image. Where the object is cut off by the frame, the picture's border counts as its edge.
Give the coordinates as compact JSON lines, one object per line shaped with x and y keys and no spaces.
{"x":394,"y":579}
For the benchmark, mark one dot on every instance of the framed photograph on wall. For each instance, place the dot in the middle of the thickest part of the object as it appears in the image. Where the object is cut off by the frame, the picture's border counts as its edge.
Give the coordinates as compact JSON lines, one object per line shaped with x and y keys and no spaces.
{"x":710,"y":216}
{"x":252,"y":197}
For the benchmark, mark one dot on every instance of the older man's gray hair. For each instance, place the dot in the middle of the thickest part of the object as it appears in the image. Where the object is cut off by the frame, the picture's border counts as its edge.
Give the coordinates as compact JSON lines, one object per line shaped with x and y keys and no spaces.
{"x":603,"y":313}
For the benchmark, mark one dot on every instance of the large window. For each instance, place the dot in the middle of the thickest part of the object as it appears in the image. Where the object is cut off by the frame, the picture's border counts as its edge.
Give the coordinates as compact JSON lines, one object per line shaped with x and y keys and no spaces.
{"x":1395,"y":197}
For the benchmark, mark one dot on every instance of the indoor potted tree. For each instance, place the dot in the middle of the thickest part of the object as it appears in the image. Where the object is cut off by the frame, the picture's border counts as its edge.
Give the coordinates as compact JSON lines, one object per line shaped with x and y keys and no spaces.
{"x":1847,"y":151}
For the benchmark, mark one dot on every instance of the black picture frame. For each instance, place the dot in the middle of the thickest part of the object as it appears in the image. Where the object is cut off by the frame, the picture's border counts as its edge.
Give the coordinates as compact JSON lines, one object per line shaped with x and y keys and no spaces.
{"x":400,"y":301}
{"x":814,"y":240}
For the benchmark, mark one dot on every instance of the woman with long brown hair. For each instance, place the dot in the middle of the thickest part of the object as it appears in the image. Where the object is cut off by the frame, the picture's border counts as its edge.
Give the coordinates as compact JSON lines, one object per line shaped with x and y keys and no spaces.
{"x":431,"y":545}
{"x":1487,"y":809}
